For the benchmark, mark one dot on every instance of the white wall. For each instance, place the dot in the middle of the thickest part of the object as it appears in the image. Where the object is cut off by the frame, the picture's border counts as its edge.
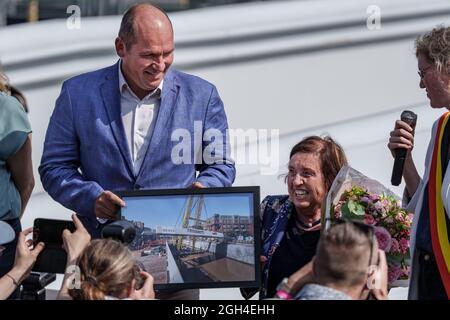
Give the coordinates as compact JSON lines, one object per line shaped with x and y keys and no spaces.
{"x":302,"y":67}
{"x":241,"y":252}
{"x":172,"y":268}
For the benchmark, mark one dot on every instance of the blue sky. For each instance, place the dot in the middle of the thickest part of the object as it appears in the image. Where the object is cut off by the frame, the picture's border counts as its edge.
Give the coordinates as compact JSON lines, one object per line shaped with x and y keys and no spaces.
{"x":168,"y":210}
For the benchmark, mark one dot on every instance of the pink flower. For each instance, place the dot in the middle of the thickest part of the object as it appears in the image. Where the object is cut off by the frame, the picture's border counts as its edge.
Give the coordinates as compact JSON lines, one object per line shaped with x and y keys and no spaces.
{"x":405,"y":273}
{"x":395,"y":246}
{"x":365,"y":199}
{"x":372,"y":211}
{"x":410,"y":219}
{"x":337,"y":210}
{"x":404,"y":245}
{"x":369,"y":219}
{"x":378,"y":206}
{"x":399,"y":217}
{"x":394,"y":272}
{"x":384,"y":239}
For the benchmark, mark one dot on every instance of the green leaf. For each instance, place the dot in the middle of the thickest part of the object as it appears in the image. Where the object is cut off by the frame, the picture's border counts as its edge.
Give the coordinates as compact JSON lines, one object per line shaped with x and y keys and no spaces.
{"x":356,"y":208}
{"x":346,"y":213}
{"x":359,"y":210}
{"x":394,"y":258}
{"x":352,"y":210}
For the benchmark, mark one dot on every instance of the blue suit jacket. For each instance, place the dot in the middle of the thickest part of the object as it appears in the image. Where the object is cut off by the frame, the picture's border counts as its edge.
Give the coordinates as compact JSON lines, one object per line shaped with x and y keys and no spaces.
{"x":86,"y":151}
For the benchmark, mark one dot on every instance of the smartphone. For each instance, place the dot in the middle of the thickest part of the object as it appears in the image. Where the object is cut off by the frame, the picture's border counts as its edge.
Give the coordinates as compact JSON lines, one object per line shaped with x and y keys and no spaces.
{"x":49,"y":231}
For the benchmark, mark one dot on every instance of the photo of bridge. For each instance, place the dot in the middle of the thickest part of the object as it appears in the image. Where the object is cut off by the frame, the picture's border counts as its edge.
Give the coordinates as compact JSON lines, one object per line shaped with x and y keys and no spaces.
{"x":178,"y":240}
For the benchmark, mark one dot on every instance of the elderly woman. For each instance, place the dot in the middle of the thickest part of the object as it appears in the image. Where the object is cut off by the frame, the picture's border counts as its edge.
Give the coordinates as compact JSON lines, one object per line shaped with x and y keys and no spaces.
{"x":429,"y":197}
{"x":16,"y":172}
{"x":291,"y":223}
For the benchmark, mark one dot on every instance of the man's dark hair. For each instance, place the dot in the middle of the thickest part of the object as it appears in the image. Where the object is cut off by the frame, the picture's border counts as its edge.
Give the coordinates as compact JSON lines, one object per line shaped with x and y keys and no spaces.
{"x":343,"y":255}
{"x":126,"y":31}
{"x":16,"y":93}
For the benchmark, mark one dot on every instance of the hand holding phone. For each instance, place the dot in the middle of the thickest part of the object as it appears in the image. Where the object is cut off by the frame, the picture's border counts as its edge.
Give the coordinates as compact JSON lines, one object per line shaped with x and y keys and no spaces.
{"x":49,"y":231}
{"x":75,"y":241}
{"x":26,"y":253}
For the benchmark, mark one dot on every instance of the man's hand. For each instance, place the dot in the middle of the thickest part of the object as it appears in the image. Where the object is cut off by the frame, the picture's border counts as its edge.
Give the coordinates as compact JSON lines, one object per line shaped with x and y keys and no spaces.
{"x":197,"y":185}
{"x":76,"y":242}
{"x":107,"y":205}
{"x":146,"y":292}
{"x":26,"y":255}
{"x":262,"y":261}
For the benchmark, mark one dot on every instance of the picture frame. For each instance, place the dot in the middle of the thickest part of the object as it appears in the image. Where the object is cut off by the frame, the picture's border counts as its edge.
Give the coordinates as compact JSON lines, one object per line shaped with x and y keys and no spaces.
{"x":196,"y":238}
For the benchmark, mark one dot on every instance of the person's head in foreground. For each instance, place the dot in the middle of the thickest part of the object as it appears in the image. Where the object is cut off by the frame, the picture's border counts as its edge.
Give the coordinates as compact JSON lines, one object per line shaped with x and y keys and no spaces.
{"x":313,"y":165}
{"x":347,"y":265}
{"x":107,"y":271}
{"x":433,"y":56}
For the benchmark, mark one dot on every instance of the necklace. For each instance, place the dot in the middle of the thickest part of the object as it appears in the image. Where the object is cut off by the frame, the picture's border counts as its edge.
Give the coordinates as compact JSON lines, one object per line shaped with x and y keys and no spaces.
{"x":302,"y":225}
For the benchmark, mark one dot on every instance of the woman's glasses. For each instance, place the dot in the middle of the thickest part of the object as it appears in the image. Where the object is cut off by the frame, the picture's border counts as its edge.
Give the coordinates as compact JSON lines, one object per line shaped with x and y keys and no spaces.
{"x":423,"y":72}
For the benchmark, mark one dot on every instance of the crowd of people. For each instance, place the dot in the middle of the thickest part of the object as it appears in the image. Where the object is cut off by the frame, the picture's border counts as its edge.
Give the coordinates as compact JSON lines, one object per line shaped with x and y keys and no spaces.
{"x":114,"y":124}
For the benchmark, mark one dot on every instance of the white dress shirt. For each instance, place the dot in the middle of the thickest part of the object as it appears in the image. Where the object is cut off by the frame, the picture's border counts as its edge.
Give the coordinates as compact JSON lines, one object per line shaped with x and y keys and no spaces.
{"x":138,"y":117}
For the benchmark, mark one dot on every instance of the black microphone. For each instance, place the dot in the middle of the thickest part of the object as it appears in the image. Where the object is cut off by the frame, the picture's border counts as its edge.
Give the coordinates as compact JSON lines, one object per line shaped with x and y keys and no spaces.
{"x":120,"y":230}
{"x":400,"y":154}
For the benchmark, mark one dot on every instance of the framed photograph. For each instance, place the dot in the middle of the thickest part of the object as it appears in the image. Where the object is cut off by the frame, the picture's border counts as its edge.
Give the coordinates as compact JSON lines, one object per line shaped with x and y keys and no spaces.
{"x":196,"y":238}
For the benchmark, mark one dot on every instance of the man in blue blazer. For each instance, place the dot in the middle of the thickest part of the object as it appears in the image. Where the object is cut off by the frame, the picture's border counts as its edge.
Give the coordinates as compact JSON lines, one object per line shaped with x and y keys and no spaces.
{"x":118,"y":128}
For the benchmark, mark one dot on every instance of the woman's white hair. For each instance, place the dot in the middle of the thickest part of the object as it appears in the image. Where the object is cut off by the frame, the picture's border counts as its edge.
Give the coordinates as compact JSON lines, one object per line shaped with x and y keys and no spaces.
{"x":435,"y":46}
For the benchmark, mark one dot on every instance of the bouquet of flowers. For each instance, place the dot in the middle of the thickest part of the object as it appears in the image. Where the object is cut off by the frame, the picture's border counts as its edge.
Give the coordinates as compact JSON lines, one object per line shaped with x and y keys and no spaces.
{"x":354,"y":196}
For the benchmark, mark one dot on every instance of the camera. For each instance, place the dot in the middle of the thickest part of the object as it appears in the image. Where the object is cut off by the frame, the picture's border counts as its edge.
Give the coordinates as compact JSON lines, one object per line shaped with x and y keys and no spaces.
{"x":33,"y":287}
{"x":53,"y":258}
{"x":120,"y":230}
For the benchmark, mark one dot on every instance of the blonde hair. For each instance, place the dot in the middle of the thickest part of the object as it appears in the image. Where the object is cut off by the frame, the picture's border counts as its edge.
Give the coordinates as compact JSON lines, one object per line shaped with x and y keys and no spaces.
{"x":435,"y":46}
{"x":4,"y":83}
{"x":107,"y":269}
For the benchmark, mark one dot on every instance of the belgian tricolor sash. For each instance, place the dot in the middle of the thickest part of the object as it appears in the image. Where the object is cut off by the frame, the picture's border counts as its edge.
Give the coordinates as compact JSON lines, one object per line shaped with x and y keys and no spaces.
{"x":439,"y":221}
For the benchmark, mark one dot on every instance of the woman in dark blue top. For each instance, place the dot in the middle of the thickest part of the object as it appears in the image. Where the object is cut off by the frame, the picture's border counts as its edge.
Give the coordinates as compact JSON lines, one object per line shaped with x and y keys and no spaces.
{"x":291,"y":223}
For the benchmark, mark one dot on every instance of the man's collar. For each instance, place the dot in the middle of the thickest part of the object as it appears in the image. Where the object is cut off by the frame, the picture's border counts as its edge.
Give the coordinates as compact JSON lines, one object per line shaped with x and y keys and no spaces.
{"x":123,"y":84}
